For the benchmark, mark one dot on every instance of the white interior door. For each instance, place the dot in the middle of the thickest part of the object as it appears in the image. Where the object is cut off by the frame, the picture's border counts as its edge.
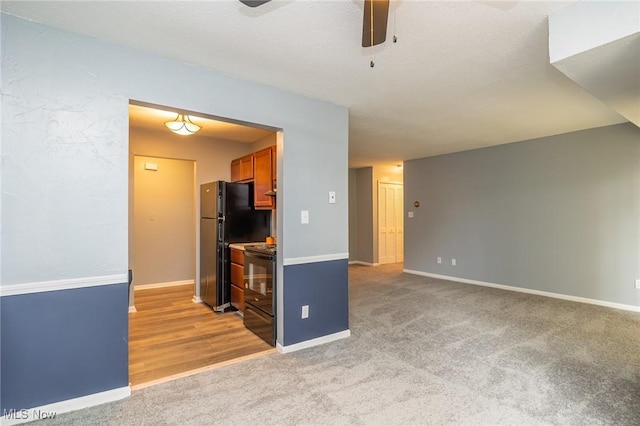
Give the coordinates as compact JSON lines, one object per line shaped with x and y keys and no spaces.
{"x":398,"y":219}
{"x":390,"y":223}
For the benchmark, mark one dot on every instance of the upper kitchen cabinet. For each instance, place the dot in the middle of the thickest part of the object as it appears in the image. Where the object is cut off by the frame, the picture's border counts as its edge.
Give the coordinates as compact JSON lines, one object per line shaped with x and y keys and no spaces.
{"x":264,"y":175}
{"x":242,"y":169}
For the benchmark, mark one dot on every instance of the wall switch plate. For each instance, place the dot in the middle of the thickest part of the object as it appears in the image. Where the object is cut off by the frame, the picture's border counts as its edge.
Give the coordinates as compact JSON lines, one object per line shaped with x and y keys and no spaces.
{"x":304,"y":216}
{"x":332,"y":197}
{"x":454,"y":262}
{"x":305,"y":311}
{"x":410,"y":214}
{"x":439,"y":260}
{"x":638,"y":284}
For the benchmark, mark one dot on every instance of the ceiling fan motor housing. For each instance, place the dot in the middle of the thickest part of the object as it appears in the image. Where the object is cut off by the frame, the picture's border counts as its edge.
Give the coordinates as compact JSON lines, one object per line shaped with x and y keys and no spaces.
{"x":374,"y":23}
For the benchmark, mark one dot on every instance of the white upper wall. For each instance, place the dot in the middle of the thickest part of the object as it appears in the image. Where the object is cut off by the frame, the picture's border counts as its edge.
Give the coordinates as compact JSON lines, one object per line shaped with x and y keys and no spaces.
{"x":597,"y":45}
{"x":65,"y":148}
{"x":584,"y":25}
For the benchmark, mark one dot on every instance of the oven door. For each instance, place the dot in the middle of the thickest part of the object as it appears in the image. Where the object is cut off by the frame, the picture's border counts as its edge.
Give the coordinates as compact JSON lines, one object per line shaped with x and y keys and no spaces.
{"x":258,"y":281}
{"x":260,"y":324}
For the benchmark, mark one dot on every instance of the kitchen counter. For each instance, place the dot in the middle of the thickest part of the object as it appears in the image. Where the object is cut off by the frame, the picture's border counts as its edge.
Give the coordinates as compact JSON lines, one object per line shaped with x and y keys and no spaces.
{"x":241,"y":246}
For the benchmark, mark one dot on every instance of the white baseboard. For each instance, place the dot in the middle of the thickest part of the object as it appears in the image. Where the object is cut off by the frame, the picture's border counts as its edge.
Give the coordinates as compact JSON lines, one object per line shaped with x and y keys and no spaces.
{"x":313,"y":342}
{"x":359,"y":262}
{"x":160,"y":285}
{"x":530,"y":291}
{"x":196,"y":299}
{"x":52,"y":410}
{"x":132,"y":309}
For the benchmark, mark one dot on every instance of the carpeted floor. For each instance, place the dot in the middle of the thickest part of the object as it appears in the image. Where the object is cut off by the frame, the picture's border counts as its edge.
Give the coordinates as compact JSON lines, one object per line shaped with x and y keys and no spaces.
{"x":422,"y":351}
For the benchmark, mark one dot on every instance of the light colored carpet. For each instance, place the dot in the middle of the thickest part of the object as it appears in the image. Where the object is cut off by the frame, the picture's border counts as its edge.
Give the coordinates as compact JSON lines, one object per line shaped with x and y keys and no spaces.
{"x":422,"y":351}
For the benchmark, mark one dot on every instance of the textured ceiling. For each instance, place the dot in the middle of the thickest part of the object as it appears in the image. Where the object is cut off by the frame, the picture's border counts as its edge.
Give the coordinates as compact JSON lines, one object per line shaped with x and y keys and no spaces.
{"x":463,"y":74}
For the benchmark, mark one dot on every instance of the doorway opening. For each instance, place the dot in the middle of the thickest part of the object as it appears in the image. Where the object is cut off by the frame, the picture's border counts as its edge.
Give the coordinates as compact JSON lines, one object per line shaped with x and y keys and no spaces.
{"x":171,"y":332}
{"x":376,"y":222}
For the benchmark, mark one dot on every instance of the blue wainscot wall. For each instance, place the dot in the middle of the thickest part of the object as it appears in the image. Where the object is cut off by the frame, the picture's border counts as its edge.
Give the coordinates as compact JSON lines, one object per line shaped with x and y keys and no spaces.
{"x":60,"y":345}
{"x":324,"y":287}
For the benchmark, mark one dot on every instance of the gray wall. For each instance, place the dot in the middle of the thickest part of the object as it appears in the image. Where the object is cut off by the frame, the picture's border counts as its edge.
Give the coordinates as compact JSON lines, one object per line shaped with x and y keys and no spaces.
{"x":64,"y":177}
{"x":559,"y":214}
{"x":65,"y":144}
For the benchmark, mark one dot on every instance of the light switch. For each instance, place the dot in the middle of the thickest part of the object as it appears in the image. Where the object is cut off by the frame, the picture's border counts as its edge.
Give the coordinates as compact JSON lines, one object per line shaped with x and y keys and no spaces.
{"x":332,"y":197}
{"x":410,"y":214}
{"x":304,"y":216}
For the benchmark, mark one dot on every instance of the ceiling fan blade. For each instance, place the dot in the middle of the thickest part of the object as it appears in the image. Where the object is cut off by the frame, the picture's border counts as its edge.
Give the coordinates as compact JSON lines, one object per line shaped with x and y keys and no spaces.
{"x":374,"y":23}
{"x":254,"y":3}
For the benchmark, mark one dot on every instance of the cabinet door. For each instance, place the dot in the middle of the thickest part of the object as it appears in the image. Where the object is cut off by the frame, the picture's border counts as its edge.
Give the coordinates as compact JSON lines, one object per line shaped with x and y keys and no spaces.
{"x":237,"y":298}
{"x":246,"y":168}
{"x":237,"y":256}
{"x":274,"y":173}
{"x":262,"y":179}
{"x":274,"y":163}
{"x":237,"y":279}
{"x":235,"y":170}
{"x":237,"y":275}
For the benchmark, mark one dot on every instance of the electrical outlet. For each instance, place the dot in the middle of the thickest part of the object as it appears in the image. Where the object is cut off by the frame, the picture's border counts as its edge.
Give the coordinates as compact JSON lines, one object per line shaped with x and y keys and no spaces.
{"x":439,"y":260}
{"x":454,"y":262}
{"x":305,"y":311}
{"x":304,"y":216}
{"x":332,"y":197}
{"x":638,"y":284}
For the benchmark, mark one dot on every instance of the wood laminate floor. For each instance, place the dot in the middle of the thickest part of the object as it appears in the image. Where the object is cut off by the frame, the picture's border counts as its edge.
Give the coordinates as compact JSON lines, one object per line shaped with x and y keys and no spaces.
{"x":170,"y":334}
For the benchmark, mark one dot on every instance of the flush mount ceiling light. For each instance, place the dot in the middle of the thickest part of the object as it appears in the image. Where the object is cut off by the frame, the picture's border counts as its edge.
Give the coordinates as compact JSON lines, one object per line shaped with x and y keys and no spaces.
{"x":182,"y":125}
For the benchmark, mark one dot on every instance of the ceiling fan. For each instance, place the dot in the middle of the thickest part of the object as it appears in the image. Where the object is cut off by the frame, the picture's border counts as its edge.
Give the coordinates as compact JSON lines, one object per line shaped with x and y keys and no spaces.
{"x":374,"y":22}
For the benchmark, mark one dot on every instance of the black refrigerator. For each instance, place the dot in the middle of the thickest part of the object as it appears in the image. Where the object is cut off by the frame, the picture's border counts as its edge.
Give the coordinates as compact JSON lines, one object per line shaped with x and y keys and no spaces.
{"x":226,"y":216}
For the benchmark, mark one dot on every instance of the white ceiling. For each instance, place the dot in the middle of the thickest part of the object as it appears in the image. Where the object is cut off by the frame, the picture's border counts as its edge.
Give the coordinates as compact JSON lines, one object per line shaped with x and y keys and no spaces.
{"x":463,"y":74}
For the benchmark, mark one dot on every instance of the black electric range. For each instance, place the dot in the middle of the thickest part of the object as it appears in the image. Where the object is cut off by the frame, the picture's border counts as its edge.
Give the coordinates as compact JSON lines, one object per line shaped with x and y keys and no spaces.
{"x":259,"y":291}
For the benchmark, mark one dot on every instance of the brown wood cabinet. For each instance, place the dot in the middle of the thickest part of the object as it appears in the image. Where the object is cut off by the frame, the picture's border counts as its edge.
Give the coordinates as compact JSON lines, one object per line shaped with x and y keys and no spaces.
{"x":263,"y":178}
{"x":235,"y":170}
{"x":237,"y":279}
{"x":274,"y":173}
{"x":242,"y":169}
{"x":259,"y":168}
